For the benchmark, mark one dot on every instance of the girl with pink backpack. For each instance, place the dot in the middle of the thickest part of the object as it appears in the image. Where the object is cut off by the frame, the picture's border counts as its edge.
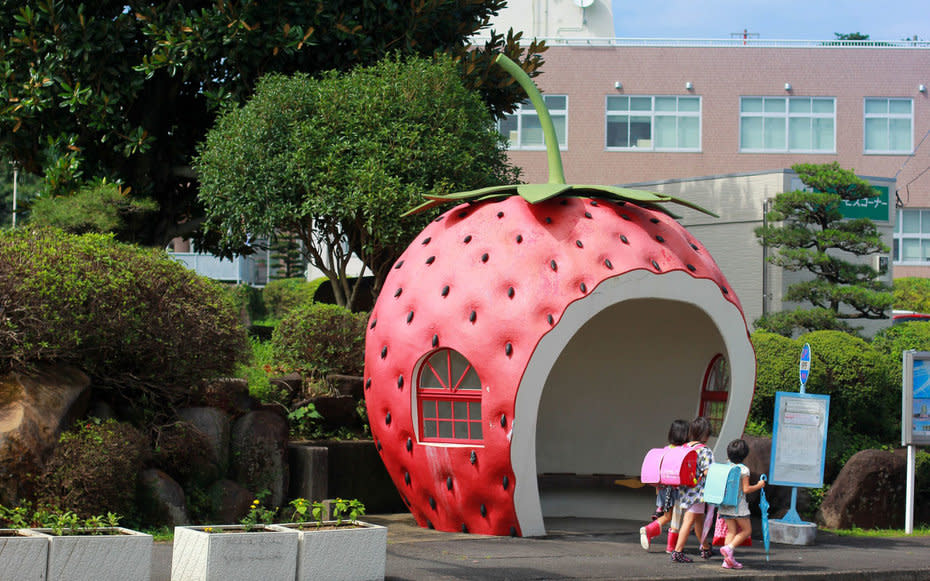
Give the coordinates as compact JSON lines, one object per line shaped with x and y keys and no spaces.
{"x":666,"y":495}
{"x":691,"y":498}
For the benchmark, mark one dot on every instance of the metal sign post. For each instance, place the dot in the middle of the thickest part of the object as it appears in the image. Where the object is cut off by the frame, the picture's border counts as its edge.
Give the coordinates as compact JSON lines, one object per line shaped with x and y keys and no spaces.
{"x":915,"y":418}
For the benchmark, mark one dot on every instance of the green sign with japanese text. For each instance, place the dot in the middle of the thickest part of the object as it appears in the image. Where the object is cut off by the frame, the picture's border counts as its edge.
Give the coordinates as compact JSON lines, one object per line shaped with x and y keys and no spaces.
{"x":875,"y":208}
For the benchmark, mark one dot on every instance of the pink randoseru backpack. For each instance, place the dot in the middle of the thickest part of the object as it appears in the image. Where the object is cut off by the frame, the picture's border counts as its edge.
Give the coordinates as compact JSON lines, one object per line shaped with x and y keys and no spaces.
{"x":670,"y":466}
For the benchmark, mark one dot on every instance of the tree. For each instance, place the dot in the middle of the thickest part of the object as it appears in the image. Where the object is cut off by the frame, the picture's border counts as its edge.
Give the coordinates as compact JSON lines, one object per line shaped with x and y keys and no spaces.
{"x":850,"y":36}
{"x":912,"y":294}
{"x":126,"y":90}
{"x":338,"y":159}
{"x":97,"y":207}
{"x":810,"y":234}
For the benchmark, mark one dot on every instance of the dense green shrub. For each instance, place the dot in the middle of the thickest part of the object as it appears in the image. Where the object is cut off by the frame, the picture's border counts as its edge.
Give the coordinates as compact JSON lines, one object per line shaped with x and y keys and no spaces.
{"x":130,"y":317}
{"x":248,"y":298}
{"x":318,"y":339}
{"x":95,"y":469}
{"x":286,"y":294}
{"x":891,"y":341}
{"x":912,"y":294}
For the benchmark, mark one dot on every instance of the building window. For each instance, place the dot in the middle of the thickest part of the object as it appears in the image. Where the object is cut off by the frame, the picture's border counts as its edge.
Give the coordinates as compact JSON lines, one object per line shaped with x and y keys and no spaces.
{"x":523,"y":129}
{"x":715,"y":391}
{"x":653,"y":123}
{"x":787,"y":124}
{"x":889,"y":125}
{"x":912,"y":237}
{"x":449,"y":399}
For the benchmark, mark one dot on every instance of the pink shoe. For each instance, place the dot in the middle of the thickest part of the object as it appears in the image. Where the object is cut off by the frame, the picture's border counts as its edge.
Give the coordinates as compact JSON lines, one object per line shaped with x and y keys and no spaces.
{"x":727,"y":553}
{"x":732,"y":565}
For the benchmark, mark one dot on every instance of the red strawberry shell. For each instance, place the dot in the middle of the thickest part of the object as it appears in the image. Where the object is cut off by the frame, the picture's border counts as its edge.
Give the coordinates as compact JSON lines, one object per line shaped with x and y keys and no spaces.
{"x":490,"y":280}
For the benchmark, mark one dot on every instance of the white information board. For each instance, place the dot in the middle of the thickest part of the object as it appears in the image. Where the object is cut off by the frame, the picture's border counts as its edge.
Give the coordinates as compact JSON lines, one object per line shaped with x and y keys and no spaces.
{"x":915,"y":391}
{"x":799,"y":439}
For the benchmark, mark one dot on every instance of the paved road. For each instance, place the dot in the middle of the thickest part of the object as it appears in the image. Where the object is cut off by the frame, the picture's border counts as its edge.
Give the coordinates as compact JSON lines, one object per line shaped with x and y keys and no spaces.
{"x":595,"y":549}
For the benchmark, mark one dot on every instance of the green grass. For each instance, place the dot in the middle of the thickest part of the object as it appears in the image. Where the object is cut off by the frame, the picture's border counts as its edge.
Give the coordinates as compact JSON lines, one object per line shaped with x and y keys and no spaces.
{"x":160,"y":534}
{"x":923,"y":531}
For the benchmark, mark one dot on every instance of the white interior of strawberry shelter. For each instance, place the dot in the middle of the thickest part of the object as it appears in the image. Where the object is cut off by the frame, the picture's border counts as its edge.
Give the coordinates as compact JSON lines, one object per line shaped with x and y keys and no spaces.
{"x":603,"y":386}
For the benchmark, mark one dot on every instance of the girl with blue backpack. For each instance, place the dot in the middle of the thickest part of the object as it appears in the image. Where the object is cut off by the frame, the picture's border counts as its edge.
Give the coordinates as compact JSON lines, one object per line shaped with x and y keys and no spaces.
{"x":737,"y":517}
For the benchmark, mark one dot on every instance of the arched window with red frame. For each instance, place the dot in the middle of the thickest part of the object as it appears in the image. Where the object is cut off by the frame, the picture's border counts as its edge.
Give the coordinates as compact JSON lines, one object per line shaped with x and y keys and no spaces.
{"x":449,"y":399}
{"x":715,"y":391}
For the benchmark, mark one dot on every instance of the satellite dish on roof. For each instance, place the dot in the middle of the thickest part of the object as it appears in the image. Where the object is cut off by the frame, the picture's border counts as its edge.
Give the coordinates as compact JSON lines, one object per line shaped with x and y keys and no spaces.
{"x":583,"y":3}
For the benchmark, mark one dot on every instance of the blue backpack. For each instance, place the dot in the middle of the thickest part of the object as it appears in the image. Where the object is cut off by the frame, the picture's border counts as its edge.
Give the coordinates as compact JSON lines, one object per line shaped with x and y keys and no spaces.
{"x":722,"y":486}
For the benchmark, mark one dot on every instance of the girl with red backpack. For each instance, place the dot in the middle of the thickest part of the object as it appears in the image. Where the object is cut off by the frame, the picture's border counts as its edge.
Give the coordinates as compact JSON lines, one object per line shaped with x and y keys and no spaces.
{"x":691,"y":498}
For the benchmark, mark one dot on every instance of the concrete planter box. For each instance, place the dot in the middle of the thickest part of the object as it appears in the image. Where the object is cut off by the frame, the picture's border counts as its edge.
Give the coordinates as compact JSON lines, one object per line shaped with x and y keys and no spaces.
{"x":355,"y":551}
{"x":118,"y":554}
{"x":23,"y":554}
{"x":228,"y":553}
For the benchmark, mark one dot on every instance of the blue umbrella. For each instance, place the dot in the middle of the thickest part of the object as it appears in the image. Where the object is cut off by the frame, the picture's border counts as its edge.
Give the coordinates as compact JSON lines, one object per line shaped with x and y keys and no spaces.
{"x":764,"y":508}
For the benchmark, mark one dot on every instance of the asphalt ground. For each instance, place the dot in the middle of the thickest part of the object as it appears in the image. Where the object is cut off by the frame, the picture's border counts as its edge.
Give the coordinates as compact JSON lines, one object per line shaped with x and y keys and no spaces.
{"x":595,"y":549}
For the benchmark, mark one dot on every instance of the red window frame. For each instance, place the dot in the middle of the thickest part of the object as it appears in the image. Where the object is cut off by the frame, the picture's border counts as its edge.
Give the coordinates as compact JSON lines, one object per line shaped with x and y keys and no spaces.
{"x":713,"y":392}
{"x":450,"y":413}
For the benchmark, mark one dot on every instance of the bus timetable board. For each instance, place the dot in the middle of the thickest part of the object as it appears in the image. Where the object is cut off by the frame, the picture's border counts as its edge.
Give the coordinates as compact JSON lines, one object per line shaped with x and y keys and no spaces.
{"x":799,"y":439}
{"x":915,"y":389}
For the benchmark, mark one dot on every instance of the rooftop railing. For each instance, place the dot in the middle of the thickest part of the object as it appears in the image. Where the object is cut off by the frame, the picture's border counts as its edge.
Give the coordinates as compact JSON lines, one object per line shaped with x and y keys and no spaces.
{"x":733,"y":42}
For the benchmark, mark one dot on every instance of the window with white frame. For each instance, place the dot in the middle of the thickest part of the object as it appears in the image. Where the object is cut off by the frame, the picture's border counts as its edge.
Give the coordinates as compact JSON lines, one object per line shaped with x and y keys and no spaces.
{"x":889,"y":125}
{"x":912,"y":236}
{"x":449,"y":399}
{"x":523,"y":129}
{"x":653,"y":123}
{"x":787,"y":124}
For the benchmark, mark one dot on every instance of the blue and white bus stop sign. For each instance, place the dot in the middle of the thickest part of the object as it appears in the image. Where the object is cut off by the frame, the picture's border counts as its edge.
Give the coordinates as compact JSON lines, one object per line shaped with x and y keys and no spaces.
{"x":805,"y":366}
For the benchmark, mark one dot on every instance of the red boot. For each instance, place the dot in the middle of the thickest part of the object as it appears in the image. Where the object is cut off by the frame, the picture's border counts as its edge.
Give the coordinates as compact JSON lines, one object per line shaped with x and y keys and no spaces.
{"x":672,"y":541}
{"x":649,"y":532}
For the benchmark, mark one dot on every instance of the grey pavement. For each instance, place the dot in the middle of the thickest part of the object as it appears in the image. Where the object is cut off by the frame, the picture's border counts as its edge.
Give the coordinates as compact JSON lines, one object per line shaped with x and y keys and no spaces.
{"x":576,"y":548}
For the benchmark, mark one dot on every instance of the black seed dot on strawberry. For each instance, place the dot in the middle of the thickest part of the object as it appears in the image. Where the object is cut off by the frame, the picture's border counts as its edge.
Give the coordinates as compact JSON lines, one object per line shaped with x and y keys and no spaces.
{"x":435,"y":340}
{"x":579,"y":244}
{"x":472,"y":316}
{"x":429,"y":525}
{"x":445,"y":291}
{"x":449,"y":483}
{"x":484,"y":257}
{"x":519,"y":239}
{"x":624,"y":216}
{"x":368,"y":383}
{"x":550,"y":319}
{"x":655,"y":265}
{"x":694,"y":246}
{"x":426,"y":241}
{"x":506,"y":483}
{"x":654,"y":220}
{"x":409,"y":317}
{"x":373,"y":323}
{"x":400,"y":382}
{"x":500,"y":214}
{"x":583,"y":288}
{"x":563,"y":202}
{"x":407,"y":478}
{"x":473,"y":457}
{"x":398,"y":292}
{"x":621,"y":203}
{"x":553,"y":265}
{"x":548,"y":220}
{"x":587,"y":215}
{"x":660,"y":239}
{"x":399,"y":264}
{"x":463,"y":214}
{"x":467,"y":239}
{"x":378,"y":445}
{"x":503,"y":421}
{"x":384,"y":352}
{"x":409,"y":444}
{"x":724,"y":289}
{"x":464,"y":528}
{"x":608,"y":264}
{"x":508,"y":349}
{"x":691,"y":267}
{"x":387,"y":418}
{"x":431,"y":260}
{"x":510,"y":293}
{"x":624,"y":240}
{"x":432,"y":503}
{"x":484,"y":510}
{"x":513,"y":531}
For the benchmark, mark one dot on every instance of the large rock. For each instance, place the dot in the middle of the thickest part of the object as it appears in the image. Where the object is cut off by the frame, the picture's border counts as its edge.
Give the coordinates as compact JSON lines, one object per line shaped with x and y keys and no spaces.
{"x":166,"y":497}
{"x":259,"y":453}
{"x":869,"y":492}
{"x":214,"y":424}
{"x":230,"y":394}
{"x":34,"y":410}
{"x":338,"y":411}
{"x":231,"y":501}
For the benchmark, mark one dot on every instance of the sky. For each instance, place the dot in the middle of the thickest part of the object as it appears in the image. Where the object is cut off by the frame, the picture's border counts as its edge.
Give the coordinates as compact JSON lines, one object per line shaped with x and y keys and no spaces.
{"x":772,"y":20}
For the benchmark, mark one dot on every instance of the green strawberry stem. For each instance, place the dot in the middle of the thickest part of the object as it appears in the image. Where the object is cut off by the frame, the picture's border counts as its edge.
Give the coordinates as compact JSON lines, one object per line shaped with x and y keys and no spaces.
{"x":556,"y":173}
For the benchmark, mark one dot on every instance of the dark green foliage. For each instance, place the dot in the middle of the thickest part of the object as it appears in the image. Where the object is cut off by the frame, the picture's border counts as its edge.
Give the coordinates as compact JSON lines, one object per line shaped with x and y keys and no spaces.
{"x":912,"y":294}
{"x":94,"y":469}
{"x":287,"y":260}
{"x":186,"y":454}
{"x":318,"y":339}
{"x":810,"y":234}
{"x":100,"y":207}
{"x":133,"y":319}
{"x":864,"y":399}
{"x":27,"y":188}
{"x":337,"y":160}
{"x":125,"y":90}
{"x":283,"y":295}
{"x":249,"y":299}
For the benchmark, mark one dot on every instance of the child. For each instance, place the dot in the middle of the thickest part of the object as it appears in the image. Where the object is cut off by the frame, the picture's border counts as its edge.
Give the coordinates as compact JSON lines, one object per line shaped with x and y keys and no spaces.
{"x":666,"y":496}
{"x":738,"y":517}
{"x":691,"y":498}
